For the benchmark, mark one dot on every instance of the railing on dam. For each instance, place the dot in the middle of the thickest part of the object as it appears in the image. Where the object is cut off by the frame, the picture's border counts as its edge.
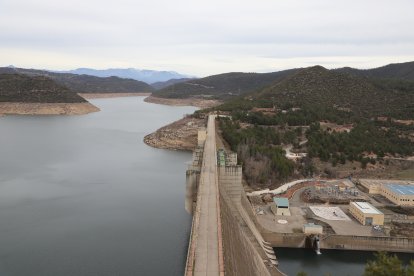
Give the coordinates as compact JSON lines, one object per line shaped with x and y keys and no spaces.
{"x":205,"y":255}
{"x":224,"y":237}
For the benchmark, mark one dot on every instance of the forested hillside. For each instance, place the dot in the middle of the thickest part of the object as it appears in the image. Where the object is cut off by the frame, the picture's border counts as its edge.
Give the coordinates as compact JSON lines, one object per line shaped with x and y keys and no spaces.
{"x":401,"y":71}
{"x":317,"y":90}
{"x":86,"y":83}
{"x":223,"y":86}
{"x":333,"y":117}
{"x":36,"y":89}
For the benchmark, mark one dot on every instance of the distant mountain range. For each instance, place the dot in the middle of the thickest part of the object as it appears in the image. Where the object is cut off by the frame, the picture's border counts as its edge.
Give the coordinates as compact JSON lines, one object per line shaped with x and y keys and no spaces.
{"x":148,"y":76}
{"x":85,"y":83}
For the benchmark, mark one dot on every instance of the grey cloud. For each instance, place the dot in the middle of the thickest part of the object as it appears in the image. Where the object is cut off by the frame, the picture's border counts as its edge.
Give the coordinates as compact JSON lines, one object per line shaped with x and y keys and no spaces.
{"x":215,"y":32}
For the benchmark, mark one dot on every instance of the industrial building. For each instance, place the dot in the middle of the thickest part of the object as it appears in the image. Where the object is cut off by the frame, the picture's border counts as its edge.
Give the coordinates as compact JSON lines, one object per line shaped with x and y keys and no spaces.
{"x":221,"y":158}
{"x":366,"y":214}
{"x":201,"y":136}
{"x":280,"y":206}
{"x":311,"y":228}
{"x":399,"y":194}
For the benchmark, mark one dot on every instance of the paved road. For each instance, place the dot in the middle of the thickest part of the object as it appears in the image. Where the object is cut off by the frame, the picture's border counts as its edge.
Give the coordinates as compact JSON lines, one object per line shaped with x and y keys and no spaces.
{"x":207,"y":236}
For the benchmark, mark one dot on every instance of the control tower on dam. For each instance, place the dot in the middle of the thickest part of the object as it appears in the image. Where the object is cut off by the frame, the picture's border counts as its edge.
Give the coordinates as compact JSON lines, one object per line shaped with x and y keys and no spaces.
{"x":224,"y":236}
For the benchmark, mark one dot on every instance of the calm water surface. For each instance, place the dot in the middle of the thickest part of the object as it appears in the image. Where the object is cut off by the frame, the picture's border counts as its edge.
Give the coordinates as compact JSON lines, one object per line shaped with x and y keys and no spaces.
{"x":83,"y":195}
{"x":331,"y":262}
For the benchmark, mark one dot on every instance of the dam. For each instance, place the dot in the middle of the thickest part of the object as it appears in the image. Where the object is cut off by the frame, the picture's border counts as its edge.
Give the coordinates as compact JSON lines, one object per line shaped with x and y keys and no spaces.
{"x":224,"y":238}
{"x":226,"y":235}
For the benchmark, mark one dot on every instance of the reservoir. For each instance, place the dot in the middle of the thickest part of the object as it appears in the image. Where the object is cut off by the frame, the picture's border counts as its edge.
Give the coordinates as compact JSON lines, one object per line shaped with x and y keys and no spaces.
{"x":330,"y":263}
{"x":83,"y":195}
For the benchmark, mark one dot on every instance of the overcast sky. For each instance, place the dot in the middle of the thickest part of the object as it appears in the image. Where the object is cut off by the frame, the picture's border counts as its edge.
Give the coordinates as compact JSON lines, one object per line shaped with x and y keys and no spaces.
{"x":203,"y":37}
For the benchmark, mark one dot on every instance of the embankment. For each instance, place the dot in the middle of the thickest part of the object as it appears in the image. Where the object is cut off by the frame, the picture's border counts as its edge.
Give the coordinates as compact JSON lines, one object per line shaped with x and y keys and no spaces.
{"x":179,"y":135}
{"x":11,"y":108}
{"x":202,"y":103}
{"x":111,"y":95}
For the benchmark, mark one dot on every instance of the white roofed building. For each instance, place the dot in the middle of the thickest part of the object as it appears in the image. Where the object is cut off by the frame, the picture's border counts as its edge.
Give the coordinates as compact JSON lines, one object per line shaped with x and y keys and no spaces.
{"x":366,"y":214}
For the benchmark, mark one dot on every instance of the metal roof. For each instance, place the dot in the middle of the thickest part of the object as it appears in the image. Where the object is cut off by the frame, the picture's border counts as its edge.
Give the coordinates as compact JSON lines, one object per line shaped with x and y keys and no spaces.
{"x":366,"y":208}
{"x":281,"y":201}
{"x":401,"y":189}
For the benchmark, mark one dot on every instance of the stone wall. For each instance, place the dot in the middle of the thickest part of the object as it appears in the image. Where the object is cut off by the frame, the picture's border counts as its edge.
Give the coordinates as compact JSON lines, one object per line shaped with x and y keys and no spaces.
{"x":366,"y":243}
{"x":285,"y":239}
{"x":243,"y":256}
{"x":243,"y":248}
{"x":393,"y":244}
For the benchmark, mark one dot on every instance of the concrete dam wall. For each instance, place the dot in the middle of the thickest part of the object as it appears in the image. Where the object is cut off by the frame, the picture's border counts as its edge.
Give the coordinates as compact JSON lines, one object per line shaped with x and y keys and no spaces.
{"x":343,"y":242}
{"x":242,"y":250}
{"x":242,"y":254}
{"x":393,"y":244}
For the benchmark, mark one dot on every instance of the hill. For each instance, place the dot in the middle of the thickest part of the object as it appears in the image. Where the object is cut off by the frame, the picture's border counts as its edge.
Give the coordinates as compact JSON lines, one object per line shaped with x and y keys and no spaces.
{"x":162,"y":84}
{"x":36,"y":89}
{"x":337,"y":121}
{"x":403,"y":71}
{"x":222,"y":86}
{"x":319,"y":88}
{"x":85,"y":83}
{"x":148,"y":76}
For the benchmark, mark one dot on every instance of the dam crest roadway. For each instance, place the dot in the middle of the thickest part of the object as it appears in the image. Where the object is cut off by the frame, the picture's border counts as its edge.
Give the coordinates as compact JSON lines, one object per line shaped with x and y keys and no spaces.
{"x":224,"y":239}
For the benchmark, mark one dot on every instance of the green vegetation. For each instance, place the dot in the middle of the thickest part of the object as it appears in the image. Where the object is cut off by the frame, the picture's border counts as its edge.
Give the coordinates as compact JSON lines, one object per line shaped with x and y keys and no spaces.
{"x":387,"y":265}
{"x":384,"y":264}
{"x":364,"y":137}
{"x":86,"y":83}
{"x":39,"y":89}
{"x":222,"y":86}
{"x":303,"y":117}
{"x":258,"y":148}
{"x":406,"y":174}
{"x":312,"y":95}
{"x":319,"y":87}
{"x":399,"y":71}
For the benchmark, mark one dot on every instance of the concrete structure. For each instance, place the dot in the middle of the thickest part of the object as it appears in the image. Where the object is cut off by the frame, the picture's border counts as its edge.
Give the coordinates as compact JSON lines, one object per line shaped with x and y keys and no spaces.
{"x":399,"y":194}
{"x":226,"y":158}
{"x":343,"y":242}
{"x":201,"y":137}
{"x":224,"y":239}
{"x":280,"y":206}
{"x":205,"y":253}
{"x":329,"y":213}
{"x":373,"y":186}
{"x":231,"y":159}
{"x":193,"y":178}
{"x":397,"y":191}
{"x":366,"y":214}
{"x":311,"y":228}
{"x":221,"y":158}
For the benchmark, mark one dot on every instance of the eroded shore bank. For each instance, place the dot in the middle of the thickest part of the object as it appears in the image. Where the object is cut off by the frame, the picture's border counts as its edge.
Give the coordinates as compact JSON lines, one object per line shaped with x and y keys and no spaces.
{"x":197,"y":102}
{"x":179,"y":135}
{"x":11,"y":108}
{"x":111,"y":95}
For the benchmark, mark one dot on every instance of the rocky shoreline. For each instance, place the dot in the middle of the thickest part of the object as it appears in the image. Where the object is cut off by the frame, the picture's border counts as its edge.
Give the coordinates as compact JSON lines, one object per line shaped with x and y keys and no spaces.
{"x":12,"y":108}
{"x":111,"y":95}
{"x":179,"y":135}
{"x":197,"y":102}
